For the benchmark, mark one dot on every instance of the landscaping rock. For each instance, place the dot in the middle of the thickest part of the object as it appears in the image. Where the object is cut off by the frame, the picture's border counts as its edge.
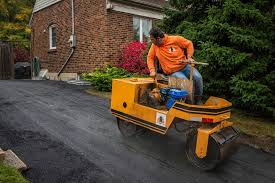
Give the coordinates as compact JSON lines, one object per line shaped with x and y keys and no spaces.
{"x":11,"y":159}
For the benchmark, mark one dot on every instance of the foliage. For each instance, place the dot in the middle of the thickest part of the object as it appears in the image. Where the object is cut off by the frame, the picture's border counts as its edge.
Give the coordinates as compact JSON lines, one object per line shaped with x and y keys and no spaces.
{"x":10,"y":175}
{"x":236,"y":38}
{"x":133,"y":57}
{"x":21,"y":55}
{"x":101,"y":78}
{"x":14,"y":17}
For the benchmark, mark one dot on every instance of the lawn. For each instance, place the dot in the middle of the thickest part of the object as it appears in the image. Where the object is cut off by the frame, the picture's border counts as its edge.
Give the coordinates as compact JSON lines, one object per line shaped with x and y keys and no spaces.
{"x":251,"y":125}
{"x":10,"y":175}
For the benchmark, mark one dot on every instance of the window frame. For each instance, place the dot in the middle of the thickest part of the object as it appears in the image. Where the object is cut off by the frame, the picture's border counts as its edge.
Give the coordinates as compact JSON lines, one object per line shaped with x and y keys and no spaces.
{"x":51,"y":37}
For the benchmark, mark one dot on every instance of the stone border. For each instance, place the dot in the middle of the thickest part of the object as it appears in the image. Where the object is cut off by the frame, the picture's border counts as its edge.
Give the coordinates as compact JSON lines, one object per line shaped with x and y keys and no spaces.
{"x":266,"y":143}
{"x":9,"y":158}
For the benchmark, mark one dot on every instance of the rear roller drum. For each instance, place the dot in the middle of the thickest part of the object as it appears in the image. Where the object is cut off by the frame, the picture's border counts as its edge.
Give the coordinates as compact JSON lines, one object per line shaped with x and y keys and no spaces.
{"x":128,"y":129}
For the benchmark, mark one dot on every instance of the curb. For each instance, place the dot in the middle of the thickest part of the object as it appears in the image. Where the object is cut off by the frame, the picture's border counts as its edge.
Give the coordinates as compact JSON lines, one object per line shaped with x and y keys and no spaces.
{"x":266,"y":143}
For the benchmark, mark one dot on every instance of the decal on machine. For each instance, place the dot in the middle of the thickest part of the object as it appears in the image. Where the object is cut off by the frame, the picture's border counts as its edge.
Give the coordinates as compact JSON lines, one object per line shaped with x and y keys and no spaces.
{"x":161,"y":119}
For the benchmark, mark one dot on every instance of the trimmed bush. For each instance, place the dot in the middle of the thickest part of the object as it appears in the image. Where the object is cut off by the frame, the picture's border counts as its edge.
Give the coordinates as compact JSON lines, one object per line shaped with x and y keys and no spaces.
{"x":21,"y":55}
{"x":101,"y":78}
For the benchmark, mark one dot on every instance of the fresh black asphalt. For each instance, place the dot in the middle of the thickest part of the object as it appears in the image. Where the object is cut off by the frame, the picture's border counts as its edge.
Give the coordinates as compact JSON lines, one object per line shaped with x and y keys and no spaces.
{"x":67,"y":136}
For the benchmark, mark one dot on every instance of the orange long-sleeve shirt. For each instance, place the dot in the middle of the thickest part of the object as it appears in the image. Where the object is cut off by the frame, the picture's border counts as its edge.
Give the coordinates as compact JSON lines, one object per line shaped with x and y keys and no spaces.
{"x":169,"y":53}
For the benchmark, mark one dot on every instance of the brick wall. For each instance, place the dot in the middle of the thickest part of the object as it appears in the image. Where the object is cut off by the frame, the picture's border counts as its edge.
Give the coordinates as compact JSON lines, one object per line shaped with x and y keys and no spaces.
{"x":90,"y":30}
{"x":58,"y":15}
{"x":120,"y":32}
{"x":100,"y":35}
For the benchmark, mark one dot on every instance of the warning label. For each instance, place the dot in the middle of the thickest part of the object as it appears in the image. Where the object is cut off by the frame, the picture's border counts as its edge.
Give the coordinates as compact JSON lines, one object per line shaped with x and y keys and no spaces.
{"x":161,"y":119}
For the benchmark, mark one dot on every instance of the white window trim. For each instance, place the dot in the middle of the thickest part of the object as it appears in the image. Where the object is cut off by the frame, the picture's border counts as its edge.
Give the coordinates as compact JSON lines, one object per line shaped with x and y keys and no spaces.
{"x":140,"y":30}
{"x":50,"y":37}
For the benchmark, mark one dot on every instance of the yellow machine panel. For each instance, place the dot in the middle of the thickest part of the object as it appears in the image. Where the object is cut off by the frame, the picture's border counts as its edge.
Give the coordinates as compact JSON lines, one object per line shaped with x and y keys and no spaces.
{"x":125,"y":101}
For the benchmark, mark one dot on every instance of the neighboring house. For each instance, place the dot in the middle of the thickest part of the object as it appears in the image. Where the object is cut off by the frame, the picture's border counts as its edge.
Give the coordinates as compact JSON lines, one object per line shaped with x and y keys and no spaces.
{"x":97,"y":29}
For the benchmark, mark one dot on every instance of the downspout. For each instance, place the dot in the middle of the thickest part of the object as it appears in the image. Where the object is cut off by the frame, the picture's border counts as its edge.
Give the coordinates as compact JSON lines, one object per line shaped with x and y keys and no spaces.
{"x":72,"y":40}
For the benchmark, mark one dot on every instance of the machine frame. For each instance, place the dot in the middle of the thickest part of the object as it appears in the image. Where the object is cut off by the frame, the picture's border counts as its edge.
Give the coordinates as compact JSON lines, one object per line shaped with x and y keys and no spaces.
{"x":208,"y":122}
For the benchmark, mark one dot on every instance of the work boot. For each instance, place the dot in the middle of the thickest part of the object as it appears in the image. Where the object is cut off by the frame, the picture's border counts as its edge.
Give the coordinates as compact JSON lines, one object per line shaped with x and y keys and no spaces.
{"x":198,"y":100}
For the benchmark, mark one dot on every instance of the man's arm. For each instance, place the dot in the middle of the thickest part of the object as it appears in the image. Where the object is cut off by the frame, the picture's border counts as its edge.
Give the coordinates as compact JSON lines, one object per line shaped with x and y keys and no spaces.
{"x":185,"y":43}
{"x":151,"y":60}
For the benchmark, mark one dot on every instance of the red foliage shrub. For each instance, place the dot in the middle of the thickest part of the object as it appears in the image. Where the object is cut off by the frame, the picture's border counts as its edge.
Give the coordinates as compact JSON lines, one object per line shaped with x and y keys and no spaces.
{"x":133,"y":57}
{"x":21,"y":55}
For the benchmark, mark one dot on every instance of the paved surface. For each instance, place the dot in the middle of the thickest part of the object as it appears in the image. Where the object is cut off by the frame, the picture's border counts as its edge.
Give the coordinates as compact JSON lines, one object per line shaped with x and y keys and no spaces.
{"x":65,"y":135}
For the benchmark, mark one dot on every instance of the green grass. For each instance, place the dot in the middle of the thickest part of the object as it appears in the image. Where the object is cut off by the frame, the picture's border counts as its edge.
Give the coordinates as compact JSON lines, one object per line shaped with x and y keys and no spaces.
{"x":95,"y":92}
{"x":251,"y":125}
{"x":10,"y":175}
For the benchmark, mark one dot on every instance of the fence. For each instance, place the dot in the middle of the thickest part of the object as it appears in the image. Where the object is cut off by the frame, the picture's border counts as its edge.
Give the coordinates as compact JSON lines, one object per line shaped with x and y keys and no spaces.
{"x":6,"y":61}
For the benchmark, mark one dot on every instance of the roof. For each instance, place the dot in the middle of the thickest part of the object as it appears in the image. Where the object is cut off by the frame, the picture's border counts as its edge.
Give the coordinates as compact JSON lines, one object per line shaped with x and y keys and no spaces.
{"x":40,"y":4}
{"x":147,"y":4}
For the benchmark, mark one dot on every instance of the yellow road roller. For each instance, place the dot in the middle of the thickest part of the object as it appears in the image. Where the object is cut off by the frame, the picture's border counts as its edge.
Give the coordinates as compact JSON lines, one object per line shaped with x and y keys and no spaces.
{"x":166,"y":102}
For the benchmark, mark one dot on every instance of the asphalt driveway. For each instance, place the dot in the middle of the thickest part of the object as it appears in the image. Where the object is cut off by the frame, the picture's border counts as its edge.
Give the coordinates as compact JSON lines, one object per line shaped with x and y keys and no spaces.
{"x":65,"y":135}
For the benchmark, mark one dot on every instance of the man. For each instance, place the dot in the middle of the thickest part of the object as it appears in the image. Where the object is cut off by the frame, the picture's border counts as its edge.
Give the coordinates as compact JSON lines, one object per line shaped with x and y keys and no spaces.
{"x":169,"y":50}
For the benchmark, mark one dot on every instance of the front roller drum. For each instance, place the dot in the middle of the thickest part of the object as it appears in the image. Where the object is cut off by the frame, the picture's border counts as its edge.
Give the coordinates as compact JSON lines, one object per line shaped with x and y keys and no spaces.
{"x":220,"y":145}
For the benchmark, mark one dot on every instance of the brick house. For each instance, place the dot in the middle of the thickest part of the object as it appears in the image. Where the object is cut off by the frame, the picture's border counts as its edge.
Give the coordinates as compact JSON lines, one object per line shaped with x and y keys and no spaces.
{"x":75,"y":36}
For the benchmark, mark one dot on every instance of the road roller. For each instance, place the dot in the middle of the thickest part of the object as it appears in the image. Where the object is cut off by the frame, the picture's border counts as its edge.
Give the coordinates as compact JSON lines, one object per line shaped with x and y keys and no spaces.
{"x":163,"y":103}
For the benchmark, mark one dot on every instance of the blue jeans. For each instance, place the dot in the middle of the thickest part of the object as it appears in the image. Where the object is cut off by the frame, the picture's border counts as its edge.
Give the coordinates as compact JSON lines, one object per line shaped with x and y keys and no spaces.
{"x":197,"y":78}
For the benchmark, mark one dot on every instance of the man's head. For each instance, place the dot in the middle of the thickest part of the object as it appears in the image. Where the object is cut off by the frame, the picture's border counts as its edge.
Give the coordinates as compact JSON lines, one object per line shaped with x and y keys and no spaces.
{"x":156,"y":36}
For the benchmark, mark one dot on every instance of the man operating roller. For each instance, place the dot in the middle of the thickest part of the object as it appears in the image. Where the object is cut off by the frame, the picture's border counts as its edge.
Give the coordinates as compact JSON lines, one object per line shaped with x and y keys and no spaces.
{"x":169,"y":50}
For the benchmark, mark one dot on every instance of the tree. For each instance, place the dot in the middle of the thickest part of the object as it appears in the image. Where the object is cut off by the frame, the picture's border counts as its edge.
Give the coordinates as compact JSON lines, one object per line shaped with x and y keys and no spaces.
{"x":14,"y":17}
{"x":236,"y":37}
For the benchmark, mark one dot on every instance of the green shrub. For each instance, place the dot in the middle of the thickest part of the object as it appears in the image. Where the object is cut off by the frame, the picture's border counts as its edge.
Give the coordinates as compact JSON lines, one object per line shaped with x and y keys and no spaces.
{"x":101,"y":78}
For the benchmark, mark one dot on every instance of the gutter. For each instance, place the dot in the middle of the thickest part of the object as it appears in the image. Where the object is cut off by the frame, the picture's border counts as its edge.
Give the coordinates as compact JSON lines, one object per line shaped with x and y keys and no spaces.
{"x":141,"y":4}
{"x":72,"y":41}
{"x":30,"y":20}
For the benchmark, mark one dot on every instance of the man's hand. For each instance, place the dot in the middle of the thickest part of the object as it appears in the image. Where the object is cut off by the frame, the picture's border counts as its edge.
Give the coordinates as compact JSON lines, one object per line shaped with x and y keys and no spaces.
{"x":153,"y":74}
{"x":190,"y":59}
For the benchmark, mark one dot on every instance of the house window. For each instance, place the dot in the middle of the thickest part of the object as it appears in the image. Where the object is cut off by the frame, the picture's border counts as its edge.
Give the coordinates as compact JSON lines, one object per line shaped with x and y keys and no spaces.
{"x":52,"y":37}
{"x":142,"y":26}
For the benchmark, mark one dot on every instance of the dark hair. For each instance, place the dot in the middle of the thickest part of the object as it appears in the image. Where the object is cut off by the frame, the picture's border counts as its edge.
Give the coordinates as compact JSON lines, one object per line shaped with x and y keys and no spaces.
{"x":156,"y":32}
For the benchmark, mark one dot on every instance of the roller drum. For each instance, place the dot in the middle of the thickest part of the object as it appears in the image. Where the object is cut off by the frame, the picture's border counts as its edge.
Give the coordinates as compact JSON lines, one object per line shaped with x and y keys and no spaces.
{"x":220,"y":145}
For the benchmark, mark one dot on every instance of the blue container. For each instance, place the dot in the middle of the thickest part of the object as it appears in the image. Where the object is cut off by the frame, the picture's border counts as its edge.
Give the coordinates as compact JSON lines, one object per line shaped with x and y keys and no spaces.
{"x":177,"y":94}
{"x":170,"y":103}
{"x":165,"y":91}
